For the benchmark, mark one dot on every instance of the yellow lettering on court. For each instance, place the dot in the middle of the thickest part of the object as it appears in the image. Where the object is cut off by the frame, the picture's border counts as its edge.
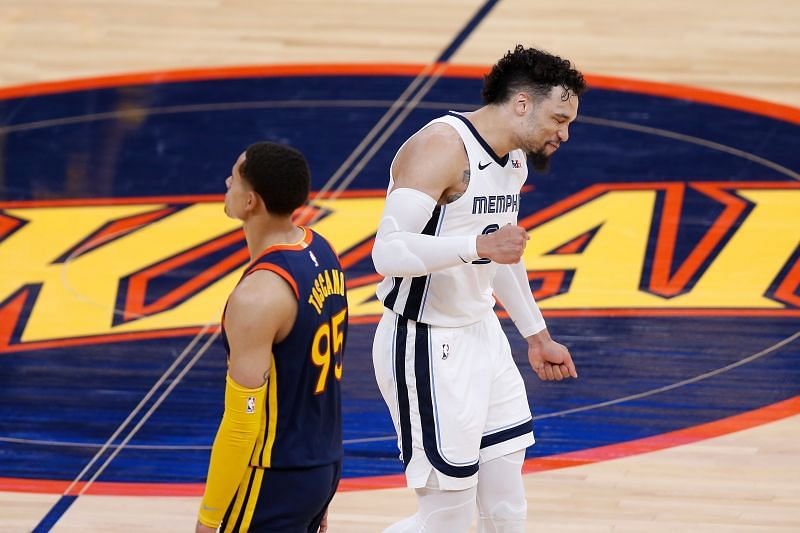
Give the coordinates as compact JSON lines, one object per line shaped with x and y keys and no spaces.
{"x":753,"y":257}
{"x":608,"y":271}
{"x":78,"y":298}
{"x":351,"y":221}
{"x":362,"y":301}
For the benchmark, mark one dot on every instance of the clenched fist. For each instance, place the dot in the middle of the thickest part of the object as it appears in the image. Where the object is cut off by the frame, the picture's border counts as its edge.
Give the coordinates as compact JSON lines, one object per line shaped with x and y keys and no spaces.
{"x":504,"y":246}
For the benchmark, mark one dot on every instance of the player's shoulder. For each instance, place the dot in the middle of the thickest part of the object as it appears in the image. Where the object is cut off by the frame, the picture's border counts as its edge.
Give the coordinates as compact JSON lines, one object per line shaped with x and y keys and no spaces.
{"x":261,"y":290}
{"x":437,"y":137}
{"x":438,"y":146}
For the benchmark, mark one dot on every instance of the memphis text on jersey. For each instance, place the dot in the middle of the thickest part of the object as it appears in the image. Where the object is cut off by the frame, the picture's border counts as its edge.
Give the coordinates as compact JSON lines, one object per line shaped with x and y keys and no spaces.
{"x":503,"y":203}
{"x":99,"y":272}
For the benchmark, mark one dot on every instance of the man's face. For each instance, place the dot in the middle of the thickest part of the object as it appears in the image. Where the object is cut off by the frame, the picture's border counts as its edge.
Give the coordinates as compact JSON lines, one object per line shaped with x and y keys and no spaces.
{"x":548,"y":126}
{"x":237,"y":191}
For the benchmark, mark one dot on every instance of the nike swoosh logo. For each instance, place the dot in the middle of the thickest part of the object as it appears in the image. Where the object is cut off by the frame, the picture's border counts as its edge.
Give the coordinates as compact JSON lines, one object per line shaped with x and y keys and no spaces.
{"x":482,"y":166}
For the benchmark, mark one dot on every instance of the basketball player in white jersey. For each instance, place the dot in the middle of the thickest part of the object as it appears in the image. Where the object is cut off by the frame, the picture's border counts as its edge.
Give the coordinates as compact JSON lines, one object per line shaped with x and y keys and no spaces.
{"x":447,"y":241}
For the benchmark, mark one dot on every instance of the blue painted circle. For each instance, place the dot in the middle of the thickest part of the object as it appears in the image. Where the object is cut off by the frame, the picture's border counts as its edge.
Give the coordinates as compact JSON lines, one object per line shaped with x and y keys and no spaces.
{"x":60,"y":404}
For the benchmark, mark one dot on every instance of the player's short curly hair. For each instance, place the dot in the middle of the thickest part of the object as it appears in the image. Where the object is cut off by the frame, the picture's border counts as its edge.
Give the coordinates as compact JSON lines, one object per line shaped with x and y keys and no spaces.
{"x":279,"y":174}
{"x":530,"y":69}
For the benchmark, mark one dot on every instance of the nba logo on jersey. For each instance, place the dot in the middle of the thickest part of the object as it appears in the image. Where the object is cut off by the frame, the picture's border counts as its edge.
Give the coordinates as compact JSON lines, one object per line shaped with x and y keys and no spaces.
{"x":251,"y":405}
{"x":313,"y":258}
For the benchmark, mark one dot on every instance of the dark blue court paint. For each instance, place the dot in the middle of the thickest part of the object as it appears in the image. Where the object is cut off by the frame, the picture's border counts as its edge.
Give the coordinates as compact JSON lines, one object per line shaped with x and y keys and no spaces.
{"x":80,"y":394}
{"x":54,"y":514}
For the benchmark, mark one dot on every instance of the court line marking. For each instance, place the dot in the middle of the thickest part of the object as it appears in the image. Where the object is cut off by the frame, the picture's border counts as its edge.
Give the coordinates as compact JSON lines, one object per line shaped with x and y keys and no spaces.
{"x":437,"y":74}
{"x":463,"y":34}
{"x":689,"y":381}
{"x":406,"y":109}
{"x":401,"y":101}
{"x":138,"y":112}
{"x":452,"y":47}
{"x":203,"y":349}
{"x":75,"y":444}
{"x":65,"y":501}
{"x":409,"y":90}
{"x":694,"y":140}
{"x":623,"y":399}
{"x":406,"y":105}
{"x":138,"y":407}
{"x":373,"y":132}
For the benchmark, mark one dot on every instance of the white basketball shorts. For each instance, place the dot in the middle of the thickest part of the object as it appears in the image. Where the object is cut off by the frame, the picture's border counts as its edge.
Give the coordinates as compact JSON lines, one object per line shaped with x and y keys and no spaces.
{"x":455,"y":396}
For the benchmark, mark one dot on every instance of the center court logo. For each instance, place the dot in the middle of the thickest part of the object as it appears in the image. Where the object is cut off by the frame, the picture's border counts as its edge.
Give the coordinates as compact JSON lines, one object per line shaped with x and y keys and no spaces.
{"x":95,"y":271}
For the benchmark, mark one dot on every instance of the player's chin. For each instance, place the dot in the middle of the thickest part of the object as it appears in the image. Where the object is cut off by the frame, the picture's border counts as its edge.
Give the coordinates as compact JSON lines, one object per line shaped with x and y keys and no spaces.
{"x":540,"y":160}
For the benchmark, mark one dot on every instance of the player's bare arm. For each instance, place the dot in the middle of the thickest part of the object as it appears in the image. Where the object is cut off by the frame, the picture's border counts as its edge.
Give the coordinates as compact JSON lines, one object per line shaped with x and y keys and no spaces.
{"x":434,"y":162}
{"x":260,"y":312}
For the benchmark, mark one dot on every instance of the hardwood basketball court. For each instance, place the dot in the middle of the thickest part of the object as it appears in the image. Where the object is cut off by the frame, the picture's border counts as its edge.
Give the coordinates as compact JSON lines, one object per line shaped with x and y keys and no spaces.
{"x":733,"y":468}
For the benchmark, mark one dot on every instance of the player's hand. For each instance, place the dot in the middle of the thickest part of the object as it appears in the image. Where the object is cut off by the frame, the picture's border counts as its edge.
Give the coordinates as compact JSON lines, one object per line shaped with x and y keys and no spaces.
{"x":323,"y":526}
{"x":200,"y":528}
{"x":504,"y":246}
{"x":549,"y":359}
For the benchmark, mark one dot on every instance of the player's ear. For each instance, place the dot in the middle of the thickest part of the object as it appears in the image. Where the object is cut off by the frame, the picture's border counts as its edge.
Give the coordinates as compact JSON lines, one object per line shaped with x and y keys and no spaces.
{"x":522,"y":103}
{"x":252,"y":200}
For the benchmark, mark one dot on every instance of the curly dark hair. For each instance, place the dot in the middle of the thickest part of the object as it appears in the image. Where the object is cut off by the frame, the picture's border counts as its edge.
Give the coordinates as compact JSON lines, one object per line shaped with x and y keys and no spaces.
{"x":279,"y":174}
{"x":530,"y":69}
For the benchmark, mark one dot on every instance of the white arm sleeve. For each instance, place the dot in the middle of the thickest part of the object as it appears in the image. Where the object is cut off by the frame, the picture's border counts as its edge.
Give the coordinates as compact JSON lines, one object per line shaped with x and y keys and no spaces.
{"x":402,"y":251}
{"x":512,"y":288}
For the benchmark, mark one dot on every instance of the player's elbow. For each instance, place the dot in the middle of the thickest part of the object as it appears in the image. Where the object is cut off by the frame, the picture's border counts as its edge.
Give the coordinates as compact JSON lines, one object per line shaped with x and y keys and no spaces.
{"x":381,"y":258}
{"x":392,"y":258}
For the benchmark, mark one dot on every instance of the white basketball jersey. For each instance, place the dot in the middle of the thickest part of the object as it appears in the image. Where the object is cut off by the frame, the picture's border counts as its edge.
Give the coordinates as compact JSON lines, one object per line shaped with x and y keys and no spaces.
{"x":462,"y":294}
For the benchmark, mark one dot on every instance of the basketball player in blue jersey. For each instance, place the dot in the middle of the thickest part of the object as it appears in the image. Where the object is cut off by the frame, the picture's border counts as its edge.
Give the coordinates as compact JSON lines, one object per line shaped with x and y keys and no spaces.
{"x":276,"y":459}
{"x":447,"y":241}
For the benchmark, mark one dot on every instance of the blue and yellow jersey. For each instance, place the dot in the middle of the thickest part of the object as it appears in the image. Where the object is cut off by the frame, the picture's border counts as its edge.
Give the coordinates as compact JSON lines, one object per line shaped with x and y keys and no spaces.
{"x":302,"y":425}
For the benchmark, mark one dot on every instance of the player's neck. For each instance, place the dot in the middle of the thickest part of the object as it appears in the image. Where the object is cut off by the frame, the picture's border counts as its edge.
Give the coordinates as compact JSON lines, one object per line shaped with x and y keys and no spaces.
{"x":492,"y":123}
{"x":263,"y":230}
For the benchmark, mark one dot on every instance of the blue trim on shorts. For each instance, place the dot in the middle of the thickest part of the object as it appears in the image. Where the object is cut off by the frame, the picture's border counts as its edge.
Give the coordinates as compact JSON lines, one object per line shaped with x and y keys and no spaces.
{"x":507,"y":434}
{"x":423,"y":379}
{"x":401,"y":333}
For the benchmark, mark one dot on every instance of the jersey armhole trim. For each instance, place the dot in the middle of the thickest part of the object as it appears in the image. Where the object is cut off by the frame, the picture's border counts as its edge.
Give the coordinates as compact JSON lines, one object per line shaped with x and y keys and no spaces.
{"x":281,"y":272}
